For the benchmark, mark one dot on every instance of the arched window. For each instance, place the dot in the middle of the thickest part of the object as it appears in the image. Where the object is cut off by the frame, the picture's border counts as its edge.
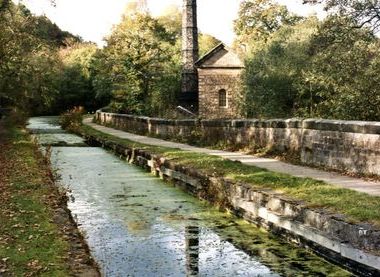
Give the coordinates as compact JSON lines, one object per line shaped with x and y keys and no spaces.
{"x":222,"y":98}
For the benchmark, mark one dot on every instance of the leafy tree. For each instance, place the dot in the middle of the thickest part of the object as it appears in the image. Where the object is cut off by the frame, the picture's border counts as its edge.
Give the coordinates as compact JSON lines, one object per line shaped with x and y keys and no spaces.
{"x":344,"y":72}
{"x":140,"y":59}
{"x":28,"y":66}
{"x":326,"y":70}
{"x":258,"y":19}
{"x":363,"y":12}
{"x":273,"y":73}
{"x":206,"y":43}
{"x":140,"y":68}
{"x":101,"y":78}
{"x":171,"y":19}
{"x":51,"y":33}
{"x":76,"y":84}
{"x":4,"y":5}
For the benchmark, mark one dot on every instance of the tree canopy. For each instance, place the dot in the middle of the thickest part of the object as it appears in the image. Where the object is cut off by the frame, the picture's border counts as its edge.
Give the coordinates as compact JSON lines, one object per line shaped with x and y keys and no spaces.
{"x":295,"y":66}
{"x":140,"y":67}
{"x":273,"y":74}
{"x":28,"y":63}
{"x":313,"y":68}
{"x":35,"y":75}
{"x":46,"y":70}
{"x":363,"y":12}
{"x":258,"y":19}
{"x":141,"y":58}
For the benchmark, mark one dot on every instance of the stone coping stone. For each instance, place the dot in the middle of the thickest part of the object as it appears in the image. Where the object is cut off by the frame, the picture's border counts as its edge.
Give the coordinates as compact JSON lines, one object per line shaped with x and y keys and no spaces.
{"x":216,"y":123}
{"x":120,"y":115}
{"x":276,"y":123}
{"x":160,"y":121}
{"x":240,"y":123}
{"x":186,"y":122}
{"x":143,"y":119}
{"x":294,"y":123}
{"x":360,"y":127}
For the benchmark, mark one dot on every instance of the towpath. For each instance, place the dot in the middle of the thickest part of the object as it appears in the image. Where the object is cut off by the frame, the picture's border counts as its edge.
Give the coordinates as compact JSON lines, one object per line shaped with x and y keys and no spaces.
{"x":372,"y":188}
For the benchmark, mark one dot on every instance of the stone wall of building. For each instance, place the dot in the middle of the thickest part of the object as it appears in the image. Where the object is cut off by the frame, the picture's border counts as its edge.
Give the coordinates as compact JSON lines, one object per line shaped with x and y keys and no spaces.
{"x":211,"y":81}
{"x":343,"y":145}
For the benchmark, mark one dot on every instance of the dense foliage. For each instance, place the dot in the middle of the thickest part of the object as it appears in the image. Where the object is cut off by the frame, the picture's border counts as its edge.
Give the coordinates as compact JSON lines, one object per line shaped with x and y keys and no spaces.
{"x":274,"y":73}
{"x":258,"y":20}
{"x":46,"y":70}
{"x":294,"y":66}
{"x":76,"y":79}
{"x":141,"y":64}
{"x":311,"y":68}
{"x":362,"y":12}
{"x":23,"y":78}
{"x":31,"y":68}
{"x":140,"y":67}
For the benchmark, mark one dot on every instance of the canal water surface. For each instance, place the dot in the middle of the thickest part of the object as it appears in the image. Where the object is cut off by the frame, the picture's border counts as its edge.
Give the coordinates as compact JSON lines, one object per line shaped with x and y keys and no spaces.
{"x":138,"y":225}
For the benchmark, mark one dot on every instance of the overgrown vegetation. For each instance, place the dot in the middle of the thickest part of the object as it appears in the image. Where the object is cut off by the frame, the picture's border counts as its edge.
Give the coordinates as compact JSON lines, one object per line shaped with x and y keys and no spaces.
{"x":139,"y":70}
{"x":295,"y":66}
{"x":304,"y":67}
{"x":357,"y":207}
{"x":30,"y":67}
{"x":44,"y":70}
{"x":72,"y":119}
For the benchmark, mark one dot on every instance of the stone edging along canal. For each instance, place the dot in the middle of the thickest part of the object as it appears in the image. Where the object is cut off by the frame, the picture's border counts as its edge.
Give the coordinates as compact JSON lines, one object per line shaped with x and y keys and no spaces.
{"x":353,"y":246}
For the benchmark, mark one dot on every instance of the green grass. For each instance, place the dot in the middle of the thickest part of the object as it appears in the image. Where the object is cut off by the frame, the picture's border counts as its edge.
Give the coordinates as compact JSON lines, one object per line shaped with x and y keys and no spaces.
{"x":29,"y":242}
{"x":356,"y":206}
{"x":87,"y":130}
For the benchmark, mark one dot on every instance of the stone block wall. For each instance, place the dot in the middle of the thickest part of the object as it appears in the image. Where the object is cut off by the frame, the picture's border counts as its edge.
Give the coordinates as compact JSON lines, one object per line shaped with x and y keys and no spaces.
{"x":343,"y":145}
{"x":211,"y":81}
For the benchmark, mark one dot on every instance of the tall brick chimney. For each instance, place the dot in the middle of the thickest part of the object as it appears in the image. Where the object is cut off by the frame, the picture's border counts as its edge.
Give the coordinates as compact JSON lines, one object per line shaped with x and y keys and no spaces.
{"x":190,"y":54}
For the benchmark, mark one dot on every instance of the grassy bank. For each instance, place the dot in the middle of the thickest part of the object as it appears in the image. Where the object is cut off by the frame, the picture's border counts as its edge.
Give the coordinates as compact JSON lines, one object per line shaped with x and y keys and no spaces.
{"x":36,"y":233}
{"x":357,"y":207}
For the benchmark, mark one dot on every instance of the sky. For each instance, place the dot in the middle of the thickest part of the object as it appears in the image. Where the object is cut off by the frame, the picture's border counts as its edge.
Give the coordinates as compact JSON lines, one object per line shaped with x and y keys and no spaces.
{"x":93,"y":19}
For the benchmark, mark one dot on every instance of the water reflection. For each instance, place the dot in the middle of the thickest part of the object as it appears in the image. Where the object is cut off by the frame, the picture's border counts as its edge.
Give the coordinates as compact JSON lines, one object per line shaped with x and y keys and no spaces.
{"x":192,"y":250}
{"x":137,"y":225}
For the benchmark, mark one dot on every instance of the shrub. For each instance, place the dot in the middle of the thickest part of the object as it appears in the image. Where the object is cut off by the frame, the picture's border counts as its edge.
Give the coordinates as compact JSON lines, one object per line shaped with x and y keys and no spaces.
{"x":72,"y":119}
{"x":14,"y":117}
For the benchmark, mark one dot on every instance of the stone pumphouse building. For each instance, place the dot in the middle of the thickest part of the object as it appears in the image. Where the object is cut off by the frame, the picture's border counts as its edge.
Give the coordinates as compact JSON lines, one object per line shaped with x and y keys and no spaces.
{"x":219,"y":83}
{"x":210,"y":85}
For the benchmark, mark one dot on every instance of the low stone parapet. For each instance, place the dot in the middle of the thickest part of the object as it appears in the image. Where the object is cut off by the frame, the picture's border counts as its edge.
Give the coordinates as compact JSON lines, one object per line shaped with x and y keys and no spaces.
{"x":350,"y":146}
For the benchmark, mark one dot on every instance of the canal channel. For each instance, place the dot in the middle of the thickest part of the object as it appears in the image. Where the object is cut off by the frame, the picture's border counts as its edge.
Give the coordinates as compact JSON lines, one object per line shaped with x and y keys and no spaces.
{"x":138,"y":225}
